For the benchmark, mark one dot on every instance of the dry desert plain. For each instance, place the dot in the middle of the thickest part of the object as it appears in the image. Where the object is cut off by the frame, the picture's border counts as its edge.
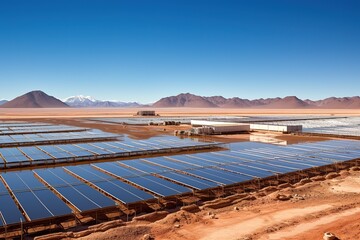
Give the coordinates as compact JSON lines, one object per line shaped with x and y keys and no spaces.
{"x":324,"y":204}
{"x":13,"y":113}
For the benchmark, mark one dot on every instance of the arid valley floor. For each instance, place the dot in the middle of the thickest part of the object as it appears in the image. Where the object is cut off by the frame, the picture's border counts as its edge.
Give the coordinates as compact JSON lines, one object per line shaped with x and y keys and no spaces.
{"x":304,"y":210}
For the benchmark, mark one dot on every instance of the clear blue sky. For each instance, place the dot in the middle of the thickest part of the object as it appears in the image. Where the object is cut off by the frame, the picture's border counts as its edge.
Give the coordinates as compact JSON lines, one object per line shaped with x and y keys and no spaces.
{"x":126,"y":50}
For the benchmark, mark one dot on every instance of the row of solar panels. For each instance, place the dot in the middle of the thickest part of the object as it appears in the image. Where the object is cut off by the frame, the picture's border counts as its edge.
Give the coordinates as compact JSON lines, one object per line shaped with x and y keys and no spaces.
{"x":96,"y":186}
{"x":345,"y":131}
{"x":39,"y":129}
{"x":348,"y":126}
{"x":6,"y":140}
{"x":6,"y":124}
{"x":14,"y":156}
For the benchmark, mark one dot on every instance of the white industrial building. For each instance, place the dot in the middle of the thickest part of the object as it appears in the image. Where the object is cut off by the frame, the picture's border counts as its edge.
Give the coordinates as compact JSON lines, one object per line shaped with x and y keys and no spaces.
{"x":276,"y":128}
{"x":210,"y":127}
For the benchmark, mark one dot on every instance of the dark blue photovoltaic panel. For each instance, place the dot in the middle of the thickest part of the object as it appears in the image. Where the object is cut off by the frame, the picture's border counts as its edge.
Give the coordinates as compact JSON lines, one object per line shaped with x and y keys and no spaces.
{"x":249,"y":171}
{"x":36,"y":199}
{"x":56,"y":206}
{"x":108,"y":147}
{"x":93,"y":149}
{"x":159,"y":186}
{"x":34,"y":153}
{"x":156,"y":185}
{"x":280,"y":163}
{"x":22,"y":180}
{"x":80,"y":201}
{"x":32,"y":206}
{"x":210,"y":177}
{"x":168,"y":163}
{"x":319,"y":162}
{"x":79,"y":152}
{"x":229,"y":175}
{"x":78,"y":193}
{"x":143,"y":166}
{"x":118,"y":170}
{"x":243,"y":156}
{"x":55,"y":152}
{"x":294,"y":162}
{"x":189,"y":180}
{"x":193,"y":161}
{"x":95,"y":196}
{"x":8,"y":208}
{"x":13,"y":155}
{"x":272,"y":168}
{"x":120,"y":190}
{"x":89,"y":173}
{"x":124,"y":146}
{"x":218,"y":159}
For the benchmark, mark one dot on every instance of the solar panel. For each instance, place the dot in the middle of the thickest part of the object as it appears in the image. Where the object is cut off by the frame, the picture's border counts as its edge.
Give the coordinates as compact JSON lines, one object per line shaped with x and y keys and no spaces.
{"x":190,"y":181}
{"x":119,"y":190}
{"x":36,"y":200}
{"x":79,"y":194}
{"x":34,"y":153}
{"x":10,"y":214}
{"x":13,"y":155}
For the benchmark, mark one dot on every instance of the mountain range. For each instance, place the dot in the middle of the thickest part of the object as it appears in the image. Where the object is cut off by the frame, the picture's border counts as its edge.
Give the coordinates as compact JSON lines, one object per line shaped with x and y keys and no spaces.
{"x":34,"y":99}
{"x":290,"y":102}
{"x":39,"y":99}
{"x":87,"y":101}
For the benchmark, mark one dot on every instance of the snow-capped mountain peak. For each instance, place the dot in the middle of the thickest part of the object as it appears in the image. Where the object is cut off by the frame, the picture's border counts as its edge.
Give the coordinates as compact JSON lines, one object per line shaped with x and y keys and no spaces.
{"x":80,"y":98}
{"x":88,"y":101}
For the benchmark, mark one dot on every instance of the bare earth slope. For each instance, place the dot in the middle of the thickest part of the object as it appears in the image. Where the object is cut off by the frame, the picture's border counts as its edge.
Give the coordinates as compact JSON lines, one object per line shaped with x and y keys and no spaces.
{"x":35,"y":99}
{"x":290,"y":102}
{"x":314,"y":208}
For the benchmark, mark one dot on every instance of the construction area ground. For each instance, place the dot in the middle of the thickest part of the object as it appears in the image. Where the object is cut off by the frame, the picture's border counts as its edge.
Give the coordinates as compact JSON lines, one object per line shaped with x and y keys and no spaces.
{"x":299,"y":209}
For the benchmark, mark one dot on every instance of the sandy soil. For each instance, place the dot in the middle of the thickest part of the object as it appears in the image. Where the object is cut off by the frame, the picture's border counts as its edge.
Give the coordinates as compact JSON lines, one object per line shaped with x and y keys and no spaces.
{"x":317,"y":207}
{"x":129,"y":112}
{"x":330,"y":205}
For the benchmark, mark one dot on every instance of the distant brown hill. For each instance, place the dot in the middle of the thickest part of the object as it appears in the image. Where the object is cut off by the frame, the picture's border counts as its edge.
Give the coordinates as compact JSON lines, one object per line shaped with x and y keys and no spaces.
{"x":184,"y":100}
{"x":333,"y":102}
{"x":34,"y":99}
{"x":290,"y":102}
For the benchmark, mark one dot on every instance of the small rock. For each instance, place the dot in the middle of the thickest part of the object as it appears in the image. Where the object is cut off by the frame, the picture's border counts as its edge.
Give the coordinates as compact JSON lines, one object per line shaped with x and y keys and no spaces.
{"x":332,"y":175}
{"x":304,"y":181}
{"x":177,"y":226}
{"x":355,"y":169}
{"x":298,"y":197}
{"x":330,"y":236}
{"x":236,"y":208}
{"x":317,"y":178}
{"x":269,"y":189}
{"x":284,"y":185}
{"x":283,"y":197}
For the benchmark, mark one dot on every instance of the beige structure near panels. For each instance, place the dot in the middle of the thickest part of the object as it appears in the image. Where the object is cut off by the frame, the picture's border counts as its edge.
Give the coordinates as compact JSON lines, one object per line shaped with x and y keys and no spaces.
{"x":276,"y":128}
{"x":210,"y":127}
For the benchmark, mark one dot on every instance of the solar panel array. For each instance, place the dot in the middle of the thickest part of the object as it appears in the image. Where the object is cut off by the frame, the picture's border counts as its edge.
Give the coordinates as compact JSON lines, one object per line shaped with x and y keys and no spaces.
{"x":52,"y":192}
{"x":184,"y":120}
{"x":222,"y":118}
{"x":348,"y":126}
{"x":31,"y":138}
{"x":12,"y":129}
{"x":56,"y":153}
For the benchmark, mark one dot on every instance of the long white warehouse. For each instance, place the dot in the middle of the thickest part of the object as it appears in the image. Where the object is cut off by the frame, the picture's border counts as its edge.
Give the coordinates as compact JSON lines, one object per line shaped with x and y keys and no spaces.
{"x":276,"y":128}
{"x":210,"y":127}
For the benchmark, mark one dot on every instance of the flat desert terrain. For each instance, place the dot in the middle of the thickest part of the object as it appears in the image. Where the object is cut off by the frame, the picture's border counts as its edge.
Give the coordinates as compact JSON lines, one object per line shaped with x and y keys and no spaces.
{"x":16,"y":113}
{"x":306,"y":212}
{"x":323,"y":205}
